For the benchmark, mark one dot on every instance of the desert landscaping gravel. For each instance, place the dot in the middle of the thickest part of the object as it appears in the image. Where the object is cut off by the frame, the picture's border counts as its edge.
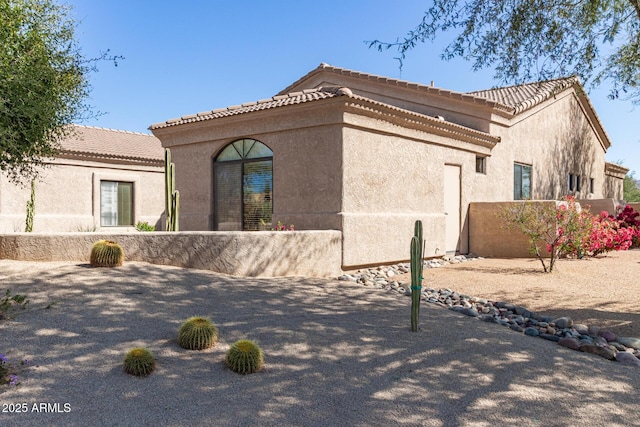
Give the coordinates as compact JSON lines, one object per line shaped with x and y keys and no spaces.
{"x":336,"y":353}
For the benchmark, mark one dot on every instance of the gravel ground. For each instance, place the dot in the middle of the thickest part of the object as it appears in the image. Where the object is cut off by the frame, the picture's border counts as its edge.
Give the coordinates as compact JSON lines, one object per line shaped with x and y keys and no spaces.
{"x":336,"y":353}
{"x":602,"y":291}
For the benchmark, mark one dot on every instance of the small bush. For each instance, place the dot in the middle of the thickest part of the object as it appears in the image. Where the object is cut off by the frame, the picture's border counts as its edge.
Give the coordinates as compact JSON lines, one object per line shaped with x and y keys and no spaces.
{"x":139,"y":362}
{"x":9,"y":301}
{"x":630,"y":218}
{"x":106,"y":253}
{"x":144,"y":226}
{"x":197,"y":333}
{"x":9,"y":373}
{"x":245,"y":357}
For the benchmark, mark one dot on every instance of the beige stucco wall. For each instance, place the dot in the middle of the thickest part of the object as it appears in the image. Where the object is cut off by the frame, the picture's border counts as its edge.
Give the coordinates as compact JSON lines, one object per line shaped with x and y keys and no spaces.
{"x":490,"y":236}
{"x":611,"y":206}
{"x":371,"y":175}
{"x":556,"y":139}
{"x":259,"y":254}
{"x":307,"y":163}
{"x":391,"y":181}
{"x":68,"y":196}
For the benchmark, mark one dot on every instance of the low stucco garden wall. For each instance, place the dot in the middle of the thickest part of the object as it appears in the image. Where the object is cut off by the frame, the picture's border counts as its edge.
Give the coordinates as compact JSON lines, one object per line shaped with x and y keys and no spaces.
{"x":256,"y":254}
{"x":490,"y":237}
{"x":611,"y":206}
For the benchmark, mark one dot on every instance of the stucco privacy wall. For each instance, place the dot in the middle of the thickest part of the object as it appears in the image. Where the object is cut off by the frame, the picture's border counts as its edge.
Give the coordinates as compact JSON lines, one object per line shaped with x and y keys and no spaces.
{"x":611,"y":206}
{"x":256,"y":254}
{"x":488,"y":235}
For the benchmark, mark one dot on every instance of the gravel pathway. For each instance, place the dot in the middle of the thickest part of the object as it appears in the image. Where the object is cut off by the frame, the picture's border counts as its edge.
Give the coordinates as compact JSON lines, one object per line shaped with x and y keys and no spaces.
{"x":336,"y":354}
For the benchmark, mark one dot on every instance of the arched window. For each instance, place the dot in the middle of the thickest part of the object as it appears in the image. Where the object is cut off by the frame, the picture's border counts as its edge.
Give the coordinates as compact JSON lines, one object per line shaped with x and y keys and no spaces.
{"x":243,"y":186}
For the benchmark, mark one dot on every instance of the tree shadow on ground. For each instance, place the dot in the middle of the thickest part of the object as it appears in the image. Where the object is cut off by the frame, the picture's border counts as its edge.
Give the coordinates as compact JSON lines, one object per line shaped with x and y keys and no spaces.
{"x":335,"y":354}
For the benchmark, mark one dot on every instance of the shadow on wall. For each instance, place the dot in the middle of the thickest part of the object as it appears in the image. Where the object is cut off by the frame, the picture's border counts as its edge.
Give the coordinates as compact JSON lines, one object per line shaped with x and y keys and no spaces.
{"x":574,"y":153}
{"x":244,"y":253}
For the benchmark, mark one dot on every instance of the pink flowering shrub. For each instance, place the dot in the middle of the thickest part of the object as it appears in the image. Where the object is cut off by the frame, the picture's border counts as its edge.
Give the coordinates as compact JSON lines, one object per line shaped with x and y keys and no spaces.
{"x":607,"y":235}
{"x":566,"y":230}
{"x":582,"y":234}
{"x":630,"y":218}
{"x":282,"y":227}
{"x":574,"y":228}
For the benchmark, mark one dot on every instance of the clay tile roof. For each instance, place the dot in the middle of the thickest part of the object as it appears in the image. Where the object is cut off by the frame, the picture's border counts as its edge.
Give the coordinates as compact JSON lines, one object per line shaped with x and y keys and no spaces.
{"x":94,"y":142}
{"x":264,"y":104}
{"x":522,"y":97}
{"x":388,"y":80}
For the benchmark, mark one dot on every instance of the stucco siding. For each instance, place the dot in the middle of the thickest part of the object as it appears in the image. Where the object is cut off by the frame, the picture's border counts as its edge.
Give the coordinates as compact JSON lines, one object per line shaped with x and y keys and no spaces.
{"x":67,"y":196}
{"x":307,"y":163}
{"x":391,"y":181}
{"x":556,"y":139}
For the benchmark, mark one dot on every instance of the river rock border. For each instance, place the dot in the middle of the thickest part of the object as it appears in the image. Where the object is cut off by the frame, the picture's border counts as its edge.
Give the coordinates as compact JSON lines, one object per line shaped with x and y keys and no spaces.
{"x":579,"y":337}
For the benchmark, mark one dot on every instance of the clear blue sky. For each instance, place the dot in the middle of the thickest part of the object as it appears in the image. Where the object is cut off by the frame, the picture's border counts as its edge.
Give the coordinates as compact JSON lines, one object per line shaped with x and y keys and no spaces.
{"x":184,"y":57}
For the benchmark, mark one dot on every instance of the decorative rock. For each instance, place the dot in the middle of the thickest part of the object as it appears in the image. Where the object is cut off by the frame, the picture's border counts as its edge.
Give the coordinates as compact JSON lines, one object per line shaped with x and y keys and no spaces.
{"x":489,"y":318}
{"x":581,"y":329}
{"x":594,"y":331}
{"x":589,"y":339}
{"x":629,"y":342}
{"x":523,"y":311}
{"x":617,"y":346}
{"x":563,"y":322}
{"x":627,"y":358}
{"x":597,"y":350}
{"x":569,"y":342}
{"x":469,"y":312}
{"x":608,"y":335}
{"x":601,"y":341}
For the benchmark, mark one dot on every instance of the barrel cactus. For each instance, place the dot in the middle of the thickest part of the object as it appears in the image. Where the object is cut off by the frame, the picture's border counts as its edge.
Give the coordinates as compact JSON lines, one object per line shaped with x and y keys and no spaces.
{"x":245,"y":357}
{"x":197,"y":333}
{"x":106,"y":253}
{"x":139,"y":362}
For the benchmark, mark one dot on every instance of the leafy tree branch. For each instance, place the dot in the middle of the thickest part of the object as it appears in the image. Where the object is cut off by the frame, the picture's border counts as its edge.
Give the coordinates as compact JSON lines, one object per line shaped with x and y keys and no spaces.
{"x":526,"y":40}
{"x":43,"y":83}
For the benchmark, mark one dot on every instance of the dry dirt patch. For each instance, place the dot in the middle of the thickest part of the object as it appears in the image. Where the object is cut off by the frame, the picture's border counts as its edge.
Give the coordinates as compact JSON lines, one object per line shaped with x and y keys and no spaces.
{"x":602,"y":291}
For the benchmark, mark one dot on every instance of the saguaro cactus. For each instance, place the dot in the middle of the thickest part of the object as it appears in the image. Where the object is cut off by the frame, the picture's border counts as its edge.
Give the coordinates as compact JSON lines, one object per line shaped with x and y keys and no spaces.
{"x":31,"y":207}
{"x":171,"y":195}
{"x":417,"y":251}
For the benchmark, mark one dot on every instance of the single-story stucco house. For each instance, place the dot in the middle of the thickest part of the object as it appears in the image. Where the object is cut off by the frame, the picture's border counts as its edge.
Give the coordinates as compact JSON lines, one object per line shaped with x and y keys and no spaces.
{"x":369,"y":155}
{"x":102,"y":180}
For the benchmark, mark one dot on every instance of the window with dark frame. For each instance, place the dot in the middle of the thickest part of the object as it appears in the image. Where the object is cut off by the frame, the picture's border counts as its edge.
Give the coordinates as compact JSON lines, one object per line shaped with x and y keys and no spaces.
{"x":481,"y":164}
{"x":592,"y":185}
{"x":575,"y":182}
{"x":521,"y":181}
{"x":243,"y":186}
{"x":116,"y":204}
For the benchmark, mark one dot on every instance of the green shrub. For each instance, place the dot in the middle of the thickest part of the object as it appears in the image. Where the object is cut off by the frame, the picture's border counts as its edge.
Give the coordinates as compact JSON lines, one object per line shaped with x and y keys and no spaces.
{"x":106,"y":253}
{"x":197,"y":333}
{"x":11,"y":301}
{"x":245,"y":357}
{"x":144,"y":226}
{"x":139,"y":362}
